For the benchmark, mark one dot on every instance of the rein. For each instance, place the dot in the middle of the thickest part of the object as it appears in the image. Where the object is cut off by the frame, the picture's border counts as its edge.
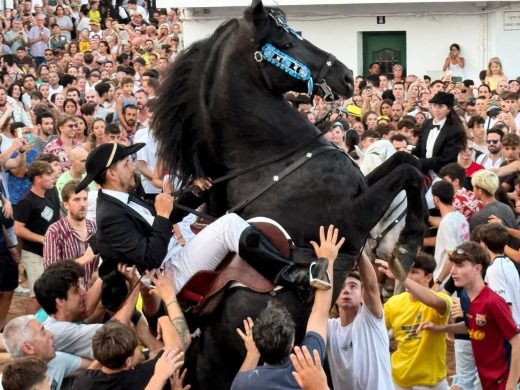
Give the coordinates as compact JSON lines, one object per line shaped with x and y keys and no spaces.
{"x":243,"y":171}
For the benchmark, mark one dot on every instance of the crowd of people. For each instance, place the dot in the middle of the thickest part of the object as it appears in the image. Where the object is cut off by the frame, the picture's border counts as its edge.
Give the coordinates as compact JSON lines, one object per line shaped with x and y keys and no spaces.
{"x":80,"y":173}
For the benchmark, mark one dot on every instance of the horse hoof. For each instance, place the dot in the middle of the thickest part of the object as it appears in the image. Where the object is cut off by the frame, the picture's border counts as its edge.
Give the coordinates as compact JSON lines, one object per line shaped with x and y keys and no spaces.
{"x":401,"y":261}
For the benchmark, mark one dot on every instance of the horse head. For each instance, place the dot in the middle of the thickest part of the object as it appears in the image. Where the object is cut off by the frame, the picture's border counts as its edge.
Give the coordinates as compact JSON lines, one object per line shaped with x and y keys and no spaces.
{"x":291,"y":63}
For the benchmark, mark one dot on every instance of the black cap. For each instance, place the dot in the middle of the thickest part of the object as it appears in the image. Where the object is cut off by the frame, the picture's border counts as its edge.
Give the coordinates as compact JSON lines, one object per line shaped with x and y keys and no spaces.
{"x":443,"y":98}
{"x":102,"y":157}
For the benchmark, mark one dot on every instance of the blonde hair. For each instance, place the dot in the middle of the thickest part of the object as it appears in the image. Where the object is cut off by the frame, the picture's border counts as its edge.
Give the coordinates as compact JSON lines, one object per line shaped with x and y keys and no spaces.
{"x":485,"y":180}
{"x":494,"y":60}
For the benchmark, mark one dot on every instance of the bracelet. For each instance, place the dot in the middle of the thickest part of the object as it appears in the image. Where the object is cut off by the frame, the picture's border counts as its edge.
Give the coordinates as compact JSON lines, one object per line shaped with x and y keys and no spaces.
{"x":172,"y":301}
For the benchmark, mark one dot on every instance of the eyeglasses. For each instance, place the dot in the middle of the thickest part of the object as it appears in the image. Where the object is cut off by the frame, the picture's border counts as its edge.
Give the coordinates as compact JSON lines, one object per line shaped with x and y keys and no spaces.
{"x":493,"y":141}
{"x":72,"y":126}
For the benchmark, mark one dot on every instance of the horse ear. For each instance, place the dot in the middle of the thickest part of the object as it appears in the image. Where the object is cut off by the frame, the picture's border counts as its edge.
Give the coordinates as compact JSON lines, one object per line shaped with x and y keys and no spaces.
{"x":257,"y":14}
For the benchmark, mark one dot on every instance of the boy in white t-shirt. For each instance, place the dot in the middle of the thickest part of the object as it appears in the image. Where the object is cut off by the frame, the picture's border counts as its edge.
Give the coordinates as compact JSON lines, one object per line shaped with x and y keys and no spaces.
{"x":501,"y":275}
{"x":357,"y":345}
{"x":453,"y":229}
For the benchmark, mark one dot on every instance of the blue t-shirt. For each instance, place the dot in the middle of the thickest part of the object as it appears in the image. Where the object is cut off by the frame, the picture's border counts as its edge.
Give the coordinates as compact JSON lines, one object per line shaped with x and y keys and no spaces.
{"x":20,"y":186}
{"x":277,"y":377}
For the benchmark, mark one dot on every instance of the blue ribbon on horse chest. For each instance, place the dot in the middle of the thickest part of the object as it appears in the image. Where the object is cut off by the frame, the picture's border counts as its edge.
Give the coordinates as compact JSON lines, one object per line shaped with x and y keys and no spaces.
{"x":288,"y":64}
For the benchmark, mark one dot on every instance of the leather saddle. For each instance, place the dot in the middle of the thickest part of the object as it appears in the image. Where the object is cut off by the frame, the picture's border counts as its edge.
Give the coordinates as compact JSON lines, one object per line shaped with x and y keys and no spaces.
{"x":204,"y":291}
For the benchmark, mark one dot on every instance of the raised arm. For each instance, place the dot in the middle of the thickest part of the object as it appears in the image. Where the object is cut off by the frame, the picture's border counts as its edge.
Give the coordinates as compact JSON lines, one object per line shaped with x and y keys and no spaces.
{"x":421,"y":293}
{"x":124,"y":314}
{"x":176,"y":334}
{"x":327,"y":249}
{"x":371,"y":295}
{"x":508,"y":169}
{"x":426,"y":296}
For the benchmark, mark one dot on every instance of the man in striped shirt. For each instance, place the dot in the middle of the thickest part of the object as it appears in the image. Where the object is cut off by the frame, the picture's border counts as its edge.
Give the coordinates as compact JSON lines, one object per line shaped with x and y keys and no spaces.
{"x":67,"y":239}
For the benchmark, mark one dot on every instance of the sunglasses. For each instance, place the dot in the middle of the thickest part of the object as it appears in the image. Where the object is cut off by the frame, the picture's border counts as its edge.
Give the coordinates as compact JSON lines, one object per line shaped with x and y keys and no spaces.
{"x":493,"y":141}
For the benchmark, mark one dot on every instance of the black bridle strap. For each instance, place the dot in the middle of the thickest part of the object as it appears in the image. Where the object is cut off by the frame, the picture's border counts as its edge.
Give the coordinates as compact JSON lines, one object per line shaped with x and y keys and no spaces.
{"x":325,"y":69}
{"x":283,"y":174}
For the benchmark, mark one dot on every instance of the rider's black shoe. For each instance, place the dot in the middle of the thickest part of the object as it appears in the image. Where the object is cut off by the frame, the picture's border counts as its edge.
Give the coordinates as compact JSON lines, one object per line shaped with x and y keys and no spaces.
{"x":265,"y":258}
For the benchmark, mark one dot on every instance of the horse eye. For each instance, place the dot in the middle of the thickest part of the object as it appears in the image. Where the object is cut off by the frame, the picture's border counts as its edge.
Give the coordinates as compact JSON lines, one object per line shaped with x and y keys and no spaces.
{"x":286,"y":45}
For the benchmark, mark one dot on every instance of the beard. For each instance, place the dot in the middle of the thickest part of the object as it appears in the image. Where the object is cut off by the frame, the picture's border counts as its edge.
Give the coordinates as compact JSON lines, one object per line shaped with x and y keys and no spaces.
{"x":78,"y":216}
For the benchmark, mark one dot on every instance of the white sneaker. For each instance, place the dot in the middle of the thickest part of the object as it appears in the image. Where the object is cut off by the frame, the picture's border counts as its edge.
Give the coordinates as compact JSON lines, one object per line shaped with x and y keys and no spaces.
{"x":21,"y":290}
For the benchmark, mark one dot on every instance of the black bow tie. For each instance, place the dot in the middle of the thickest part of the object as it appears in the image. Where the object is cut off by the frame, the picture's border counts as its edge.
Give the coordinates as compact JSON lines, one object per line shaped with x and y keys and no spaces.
{"x":436,"y":127}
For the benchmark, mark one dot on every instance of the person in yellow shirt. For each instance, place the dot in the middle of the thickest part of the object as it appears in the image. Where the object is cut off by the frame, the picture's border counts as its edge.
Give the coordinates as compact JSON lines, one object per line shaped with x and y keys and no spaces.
{"x":420,"y":359}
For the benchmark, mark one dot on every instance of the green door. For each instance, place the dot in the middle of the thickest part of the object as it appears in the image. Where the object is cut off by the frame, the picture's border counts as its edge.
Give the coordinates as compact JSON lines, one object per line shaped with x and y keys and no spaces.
{"x":386,"y":47}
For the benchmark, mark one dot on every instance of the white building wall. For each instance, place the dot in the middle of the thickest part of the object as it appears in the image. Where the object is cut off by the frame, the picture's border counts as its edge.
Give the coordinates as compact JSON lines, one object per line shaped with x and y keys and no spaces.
{"x":430,"y":29}
{"x":504,"y":44}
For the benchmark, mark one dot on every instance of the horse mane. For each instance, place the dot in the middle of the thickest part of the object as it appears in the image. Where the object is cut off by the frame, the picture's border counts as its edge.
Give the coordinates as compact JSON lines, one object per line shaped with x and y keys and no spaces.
{"x":181,"y":120}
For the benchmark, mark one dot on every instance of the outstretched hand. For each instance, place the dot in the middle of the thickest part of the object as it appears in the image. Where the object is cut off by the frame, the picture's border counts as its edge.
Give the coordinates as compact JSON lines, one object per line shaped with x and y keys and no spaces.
{"x":309,"y":374}
{"x":164,"y":284}
{"x":170,"y":362}
{"x":177,"y":380}
{"x":329,"y":245}
{"x":494,"y":219}
{"x":384,"y":268}
{"x":129,"y":273}
{"x":247,"y":336}
{"x":430,"y":326}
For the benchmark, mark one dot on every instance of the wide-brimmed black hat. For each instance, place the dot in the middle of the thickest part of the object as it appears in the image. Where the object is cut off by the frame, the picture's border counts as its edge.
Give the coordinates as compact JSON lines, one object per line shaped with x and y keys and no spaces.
{"x":102,"y":157}
{"x":443,"y":98}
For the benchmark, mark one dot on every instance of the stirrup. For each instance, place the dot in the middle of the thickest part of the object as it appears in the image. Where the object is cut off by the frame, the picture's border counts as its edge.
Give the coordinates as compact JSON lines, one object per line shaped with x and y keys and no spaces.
{"x":317,"y":282}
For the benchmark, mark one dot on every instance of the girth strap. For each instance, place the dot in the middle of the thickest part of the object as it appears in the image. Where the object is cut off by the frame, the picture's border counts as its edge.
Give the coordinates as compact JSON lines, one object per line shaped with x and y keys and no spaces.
{"x":284,"y":173}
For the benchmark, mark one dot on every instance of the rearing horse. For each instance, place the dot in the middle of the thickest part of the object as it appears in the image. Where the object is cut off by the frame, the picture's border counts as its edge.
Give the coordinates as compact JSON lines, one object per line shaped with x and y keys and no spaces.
{"x":221,"y":110}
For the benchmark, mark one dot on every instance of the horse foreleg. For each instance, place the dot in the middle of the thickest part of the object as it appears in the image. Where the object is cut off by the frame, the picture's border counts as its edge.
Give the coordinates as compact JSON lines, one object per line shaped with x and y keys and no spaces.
{"x":384,"y":184}
{"x":396,"y":160}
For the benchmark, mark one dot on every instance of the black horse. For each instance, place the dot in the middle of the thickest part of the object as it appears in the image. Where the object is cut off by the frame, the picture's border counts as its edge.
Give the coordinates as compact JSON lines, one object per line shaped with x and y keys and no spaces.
{"x":220,"y":110}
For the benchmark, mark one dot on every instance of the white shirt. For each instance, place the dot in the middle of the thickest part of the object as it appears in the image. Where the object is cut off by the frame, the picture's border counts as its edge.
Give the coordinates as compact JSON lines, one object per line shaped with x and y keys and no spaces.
{"x":453,"y":231}
{"x":52,"y":91}
{"x":487,"y":163}
{"x":148,"y":154}
{"x":432,"y":137}
{"x":123,"y":197}
{"x":358,"y":353}
{"x":502,"y":277}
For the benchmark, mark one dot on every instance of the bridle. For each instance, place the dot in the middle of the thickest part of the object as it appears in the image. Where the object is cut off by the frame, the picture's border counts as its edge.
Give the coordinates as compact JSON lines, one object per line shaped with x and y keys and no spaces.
{"x":270,"y":54}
